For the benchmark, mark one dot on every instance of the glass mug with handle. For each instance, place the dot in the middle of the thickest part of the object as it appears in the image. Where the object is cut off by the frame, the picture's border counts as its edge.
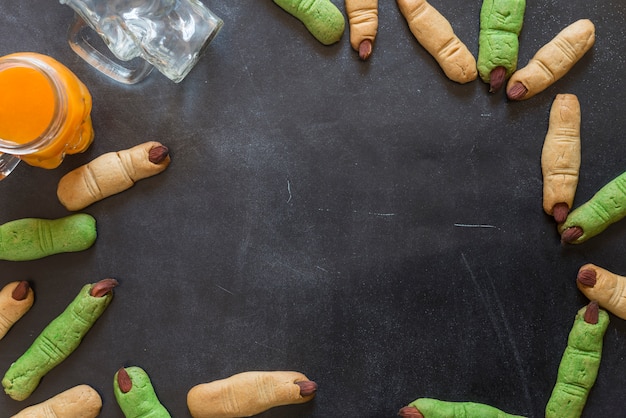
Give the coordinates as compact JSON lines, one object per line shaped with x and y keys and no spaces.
{"x":169,"y":35}
{"x":45,"y":112}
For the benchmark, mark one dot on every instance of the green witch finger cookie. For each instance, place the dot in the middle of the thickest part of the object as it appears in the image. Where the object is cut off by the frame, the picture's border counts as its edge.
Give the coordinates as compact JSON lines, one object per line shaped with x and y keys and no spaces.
{"x":321,"y":17}
{"x":498,"y":44}
{"x":34,"y":238}
{"x":580,"y":363}
{"x":606,"y":207}
{"x":434,"y":408}
{"x":135,"y":394}
{"x":58,"y":339}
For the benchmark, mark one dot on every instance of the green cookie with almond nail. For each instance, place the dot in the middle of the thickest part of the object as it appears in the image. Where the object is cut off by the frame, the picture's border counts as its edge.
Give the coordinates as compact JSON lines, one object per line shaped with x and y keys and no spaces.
{"x":321,"y":17}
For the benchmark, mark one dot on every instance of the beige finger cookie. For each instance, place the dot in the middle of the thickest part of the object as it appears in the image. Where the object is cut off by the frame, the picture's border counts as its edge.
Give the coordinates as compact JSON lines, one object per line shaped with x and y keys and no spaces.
{"x":78,"y":402}
{"x":111,"y":173}
{"x":249,"y":393}
{"x":363,"y":24}
{"x":16,"y":298}
{"x":434,"y":32}
{"x":560,"y":157}
{"x":604,"y":286}
{"x":552,"y":61}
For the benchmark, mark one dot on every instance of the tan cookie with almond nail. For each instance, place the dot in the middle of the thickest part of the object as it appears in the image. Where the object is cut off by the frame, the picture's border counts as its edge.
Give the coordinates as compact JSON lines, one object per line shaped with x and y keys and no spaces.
{"x":78,"y":402}
{"x":249,"y":393}
{"x":552,"y":61}
{"x":363,"y":24}
{"x":560,"y":156}
{"x":605,"y":287}
{"x":111,"y":173}
{"x":434,"y":32}
{"x":16,"y":298}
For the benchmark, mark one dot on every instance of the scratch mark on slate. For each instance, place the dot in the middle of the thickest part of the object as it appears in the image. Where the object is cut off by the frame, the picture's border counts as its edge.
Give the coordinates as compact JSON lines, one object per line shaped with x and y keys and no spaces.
{"x":224,"y":289}
{"x":516,"y":353}
{"x":289,"y":190}
{"x":500,"y":330}
{"x":475,"y":226}
{"x":480,"y":294}
{"x":356,"y":211}
{"x":289,"y":267}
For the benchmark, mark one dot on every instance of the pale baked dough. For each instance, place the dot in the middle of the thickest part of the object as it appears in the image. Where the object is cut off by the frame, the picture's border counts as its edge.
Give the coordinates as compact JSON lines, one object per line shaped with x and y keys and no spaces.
{"x":78,"y":402}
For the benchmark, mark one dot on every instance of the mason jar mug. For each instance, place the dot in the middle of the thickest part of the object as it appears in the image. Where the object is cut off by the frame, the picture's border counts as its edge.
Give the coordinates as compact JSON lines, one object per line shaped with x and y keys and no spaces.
{"x":45,"y":112}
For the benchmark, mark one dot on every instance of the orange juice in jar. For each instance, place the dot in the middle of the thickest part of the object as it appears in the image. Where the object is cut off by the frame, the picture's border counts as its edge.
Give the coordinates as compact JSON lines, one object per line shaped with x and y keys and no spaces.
{"x":44,"y":112}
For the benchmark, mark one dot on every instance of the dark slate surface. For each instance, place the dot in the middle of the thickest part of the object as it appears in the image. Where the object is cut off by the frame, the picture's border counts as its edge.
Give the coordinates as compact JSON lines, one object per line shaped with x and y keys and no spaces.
{"x":373,"y":225}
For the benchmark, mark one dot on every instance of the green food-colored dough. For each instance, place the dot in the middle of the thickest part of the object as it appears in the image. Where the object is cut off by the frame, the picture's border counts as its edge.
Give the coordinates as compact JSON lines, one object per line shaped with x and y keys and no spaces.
{"x":434,"y":408}
{"x":33,"y":238}
{"x":321,"y":17}
{"x":578,"y":368}
{"x":141,"y":401}
{"x":498,"y":44}
{"x":606,"y":207}
{"x":55,"y":343}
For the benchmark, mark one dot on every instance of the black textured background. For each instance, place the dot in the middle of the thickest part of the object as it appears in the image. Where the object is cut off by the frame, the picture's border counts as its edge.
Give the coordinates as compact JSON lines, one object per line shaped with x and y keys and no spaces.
{"x":373,"y":225}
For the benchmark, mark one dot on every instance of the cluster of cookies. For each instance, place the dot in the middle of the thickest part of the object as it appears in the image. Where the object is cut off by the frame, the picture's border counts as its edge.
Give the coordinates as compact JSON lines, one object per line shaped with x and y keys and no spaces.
{"x":501,"y":23}
{"x":246,"y":394}
{"x":243,"y":394}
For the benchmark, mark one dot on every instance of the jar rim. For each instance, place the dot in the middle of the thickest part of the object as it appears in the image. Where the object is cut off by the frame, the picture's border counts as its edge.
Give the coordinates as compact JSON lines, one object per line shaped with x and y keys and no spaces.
{"x":60,"y":105}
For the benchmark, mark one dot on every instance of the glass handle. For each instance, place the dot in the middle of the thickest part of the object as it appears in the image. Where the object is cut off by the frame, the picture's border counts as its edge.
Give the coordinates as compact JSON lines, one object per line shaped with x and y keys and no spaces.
{"x":7,"y":164}
{"x":79,"y":41}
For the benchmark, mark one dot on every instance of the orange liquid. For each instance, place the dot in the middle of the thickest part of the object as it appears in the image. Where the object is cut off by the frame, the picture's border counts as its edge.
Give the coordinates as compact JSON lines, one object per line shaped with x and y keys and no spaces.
{"x":27,"y":108}
{"x":26,"y":104}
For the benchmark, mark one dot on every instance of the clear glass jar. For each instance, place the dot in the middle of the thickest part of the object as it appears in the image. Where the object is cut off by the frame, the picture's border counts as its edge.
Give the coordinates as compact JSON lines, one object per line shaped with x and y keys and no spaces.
{"x":169,"y":35}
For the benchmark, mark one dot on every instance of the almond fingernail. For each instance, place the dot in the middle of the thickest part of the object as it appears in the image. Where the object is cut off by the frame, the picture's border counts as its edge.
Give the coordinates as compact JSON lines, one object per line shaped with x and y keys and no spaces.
{"x":123,"y":380}
{"x":559,"y":212}
{"x":517,"y":91}
{"x":496,"y":78}
{"x":157,"y":154}
{"x":365,"y":49}
{"x":307,"y":387}
{"x":592,"y":313}
{"x":410,"y":412}
{"x":103,"y":287}
{"x":571,"y":234}
{"x":21,"y":290}
{"x":587,"y":277}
